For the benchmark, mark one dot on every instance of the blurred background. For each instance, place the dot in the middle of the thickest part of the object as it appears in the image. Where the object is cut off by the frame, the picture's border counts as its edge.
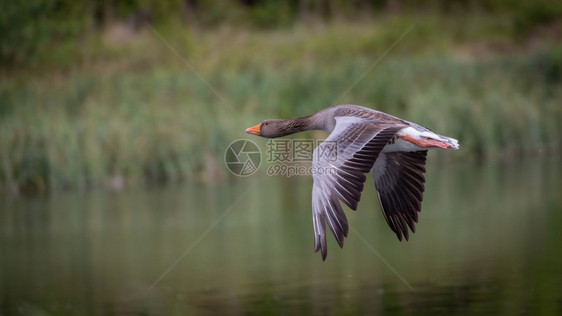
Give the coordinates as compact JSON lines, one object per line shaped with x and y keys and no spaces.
{"x":115,"y":117}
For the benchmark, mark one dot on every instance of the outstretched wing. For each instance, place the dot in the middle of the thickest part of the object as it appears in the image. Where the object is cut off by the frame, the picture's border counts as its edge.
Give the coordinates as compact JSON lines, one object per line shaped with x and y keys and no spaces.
{"x":340,"y":164}
{"x":399,"y":179}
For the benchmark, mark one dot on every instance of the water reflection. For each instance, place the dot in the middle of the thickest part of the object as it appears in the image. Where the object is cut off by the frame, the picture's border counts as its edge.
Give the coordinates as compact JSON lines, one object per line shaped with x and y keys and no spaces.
{"x":488,"y":241}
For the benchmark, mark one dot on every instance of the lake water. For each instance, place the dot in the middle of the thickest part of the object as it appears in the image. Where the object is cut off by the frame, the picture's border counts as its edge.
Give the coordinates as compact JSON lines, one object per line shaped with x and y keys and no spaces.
{"x":489,"y":240}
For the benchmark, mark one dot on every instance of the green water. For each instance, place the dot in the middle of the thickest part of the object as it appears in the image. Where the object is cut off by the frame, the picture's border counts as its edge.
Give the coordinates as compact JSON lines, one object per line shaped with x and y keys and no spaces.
{"x":488,"y":240}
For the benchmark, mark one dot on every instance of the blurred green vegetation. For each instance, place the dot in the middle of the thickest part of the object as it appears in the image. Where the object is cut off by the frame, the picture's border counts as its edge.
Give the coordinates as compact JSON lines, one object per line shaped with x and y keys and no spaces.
{"x":92,"y":95}
{"x":44,"y":33}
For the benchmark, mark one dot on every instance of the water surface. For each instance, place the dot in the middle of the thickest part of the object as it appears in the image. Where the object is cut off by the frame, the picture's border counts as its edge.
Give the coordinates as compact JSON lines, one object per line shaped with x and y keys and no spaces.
{"x":488,"y":240}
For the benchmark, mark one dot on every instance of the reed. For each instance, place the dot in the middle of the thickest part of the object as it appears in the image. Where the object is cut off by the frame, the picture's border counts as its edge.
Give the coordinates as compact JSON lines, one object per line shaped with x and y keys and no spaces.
{"x":138,"y":115}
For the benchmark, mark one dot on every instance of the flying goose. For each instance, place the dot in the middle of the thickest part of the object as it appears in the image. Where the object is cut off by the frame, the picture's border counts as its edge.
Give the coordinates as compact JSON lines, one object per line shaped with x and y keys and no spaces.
{"x":365,"y":140}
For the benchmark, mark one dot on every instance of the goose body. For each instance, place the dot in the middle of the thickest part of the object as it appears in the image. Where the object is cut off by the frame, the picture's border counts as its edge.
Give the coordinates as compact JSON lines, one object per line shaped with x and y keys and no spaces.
{"x":365,"y":139}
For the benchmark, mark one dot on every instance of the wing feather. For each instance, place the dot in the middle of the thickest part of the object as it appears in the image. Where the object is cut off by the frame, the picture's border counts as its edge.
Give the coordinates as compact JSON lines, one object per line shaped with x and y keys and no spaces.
{"x":358,"y":144}
{"x":399,"y":179}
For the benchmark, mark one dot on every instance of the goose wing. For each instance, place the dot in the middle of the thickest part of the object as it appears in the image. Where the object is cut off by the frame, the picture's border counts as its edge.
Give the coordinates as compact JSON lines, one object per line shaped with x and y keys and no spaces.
{"x":340,"y":165}
{"x":399,"y":179}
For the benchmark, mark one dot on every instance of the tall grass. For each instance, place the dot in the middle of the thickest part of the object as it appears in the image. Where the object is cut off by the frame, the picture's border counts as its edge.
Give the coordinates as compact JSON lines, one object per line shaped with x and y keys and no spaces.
{"x":134,"y":113}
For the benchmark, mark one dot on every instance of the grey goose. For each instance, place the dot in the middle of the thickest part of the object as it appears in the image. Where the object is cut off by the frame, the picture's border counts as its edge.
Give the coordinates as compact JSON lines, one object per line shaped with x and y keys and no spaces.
{"x":365,"y":139}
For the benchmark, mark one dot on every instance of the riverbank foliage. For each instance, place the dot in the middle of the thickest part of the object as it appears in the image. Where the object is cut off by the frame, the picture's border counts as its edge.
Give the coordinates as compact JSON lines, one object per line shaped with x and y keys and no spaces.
{"x":114,"y":102}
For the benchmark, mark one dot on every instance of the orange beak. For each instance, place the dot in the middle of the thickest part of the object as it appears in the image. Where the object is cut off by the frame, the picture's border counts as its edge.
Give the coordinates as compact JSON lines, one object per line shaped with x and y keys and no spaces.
{"x":254,"y":129}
